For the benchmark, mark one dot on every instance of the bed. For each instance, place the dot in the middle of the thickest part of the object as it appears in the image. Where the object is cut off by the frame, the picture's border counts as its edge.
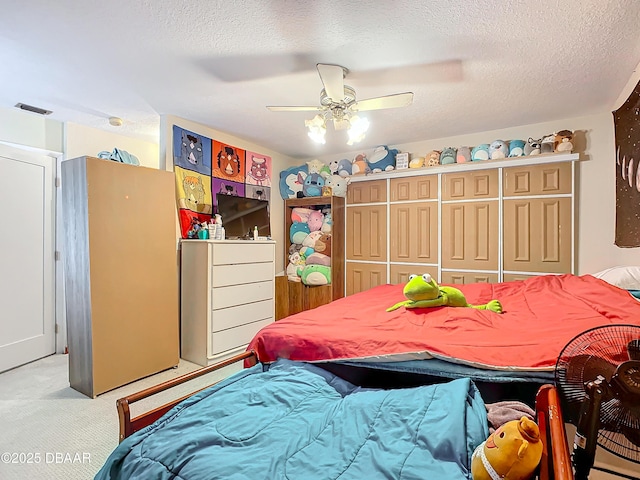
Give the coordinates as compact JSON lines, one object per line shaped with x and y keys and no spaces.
{"x":540,"y":316}
{"x":297,"y":420}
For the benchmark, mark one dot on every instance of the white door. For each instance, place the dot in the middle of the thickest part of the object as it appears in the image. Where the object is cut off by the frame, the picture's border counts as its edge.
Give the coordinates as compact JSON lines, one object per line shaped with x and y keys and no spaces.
{"x":27,"y":289}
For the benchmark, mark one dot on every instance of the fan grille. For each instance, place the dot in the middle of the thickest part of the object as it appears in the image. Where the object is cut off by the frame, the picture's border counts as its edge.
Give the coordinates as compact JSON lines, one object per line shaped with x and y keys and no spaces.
{"x":599,"y":351}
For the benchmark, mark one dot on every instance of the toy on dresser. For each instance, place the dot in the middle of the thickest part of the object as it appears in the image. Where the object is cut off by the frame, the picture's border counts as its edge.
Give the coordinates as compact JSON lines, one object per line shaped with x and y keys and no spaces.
{"x":310,"y":249}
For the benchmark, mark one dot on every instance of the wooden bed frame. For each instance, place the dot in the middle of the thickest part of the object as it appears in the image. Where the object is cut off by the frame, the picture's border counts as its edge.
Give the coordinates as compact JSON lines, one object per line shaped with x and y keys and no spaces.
{"x":555,"y":464}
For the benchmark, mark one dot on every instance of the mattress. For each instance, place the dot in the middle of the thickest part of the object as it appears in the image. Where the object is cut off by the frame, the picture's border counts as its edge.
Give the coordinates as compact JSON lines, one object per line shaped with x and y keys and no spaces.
{"x":298,"y":421}
{"x":540,"y":316}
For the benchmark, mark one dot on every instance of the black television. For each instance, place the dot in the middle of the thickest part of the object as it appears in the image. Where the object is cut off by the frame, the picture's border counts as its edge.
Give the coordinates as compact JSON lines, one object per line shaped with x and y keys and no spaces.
{"x":240,"y":215}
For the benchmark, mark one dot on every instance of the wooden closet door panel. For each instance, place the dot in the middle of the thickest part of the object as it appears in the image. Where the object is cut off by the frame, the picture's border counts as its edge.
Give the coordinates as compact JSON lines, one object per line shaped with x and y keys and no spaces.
{"x":372,"y":191}
{"x":363,"y":276}
{"x":414,"y":188}
{"x":367,"y":233}
{"x":537,"y":235}
{"x":413,"y":229}
{"x":399,"y":273}
{"x":545,"y":179}
{"x":470,"y":235}
{"x":462,"y":278}
{"x":470,"y":185}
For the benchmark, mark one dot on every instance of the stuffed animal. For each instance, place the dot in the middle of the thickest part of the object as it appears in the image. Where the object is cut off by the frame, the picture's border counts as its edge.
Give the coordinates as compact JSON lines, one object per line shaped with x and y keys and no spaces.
{"x":317,"y":166}
{"x":422,"y":291}
{"x":516,"y":148}
{"x":311,"y":238}
{"x":291,"y":181}
{"x":338,"y":185}
{"x":448,"y":156}
{"x":327,"y":223}
{"x":512,"y":452}
{"x":315,"y":220}
{"x":312,"y":185}
{"x":481,"y":152}
{"x":563,"y":141}
{"x":417,"y":162}
{"x":323,"y":245}
{"x":344,"y":168}
{"x":383,"y":159}
{"x":432,"y":158}
{"x":360,"y":165}
{"x":318,"y":259}
{"x":300,"y":214}
{"x":315,"y":274}
{"x":532,"y":147}
{"x":333,"y":167}
{"x":463,"y":155}
{"x":498,"y":149}
{"x":546,"y":145}
{"x":298,"y":232}
{"x":306,"y":252}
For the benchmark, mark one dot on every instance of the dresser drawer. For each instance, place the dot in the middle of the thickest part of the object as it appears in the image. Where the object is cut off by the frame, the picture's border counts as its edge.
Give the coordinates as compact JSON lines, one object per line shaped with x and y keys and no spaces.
{"x":224,"y":297}
{"x":236,"y":337}
{"x":226,"y":318}
{"x":245,"y":252}
{"x":225,"y":275}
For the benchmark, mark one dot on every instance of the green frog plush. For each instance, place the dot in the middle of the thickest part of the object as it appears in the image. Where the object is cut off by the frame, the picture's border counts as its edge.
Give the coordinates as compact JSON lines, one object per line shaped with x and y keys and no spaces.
{"x":423,"y":291}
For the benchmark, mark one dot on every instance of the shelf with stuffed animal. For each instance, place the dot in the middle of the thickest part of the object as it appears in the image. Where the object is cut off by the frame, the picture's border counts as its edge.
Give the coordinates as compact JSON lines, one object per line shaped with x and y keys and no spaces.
{"x":314,"y":247}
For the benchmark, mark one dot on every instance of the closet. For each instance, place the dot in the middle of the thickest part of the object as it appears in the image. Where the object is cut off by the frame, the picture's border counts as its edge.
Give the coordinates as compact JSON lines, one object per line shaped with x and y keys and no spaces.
{"x":487,"y":221}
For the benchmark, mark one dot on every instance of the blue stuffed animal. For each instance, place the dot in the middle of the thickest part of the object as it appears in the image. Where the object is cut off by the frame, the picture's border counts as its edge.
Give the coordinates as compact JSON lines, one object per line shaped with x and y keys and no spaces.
{"x":383,"y":159}
{"x":516,"y":148}
{"x":498,"y":149}
{"x":481,"y":152}
{"x":312,"y":186}
{"x":290,"y":182}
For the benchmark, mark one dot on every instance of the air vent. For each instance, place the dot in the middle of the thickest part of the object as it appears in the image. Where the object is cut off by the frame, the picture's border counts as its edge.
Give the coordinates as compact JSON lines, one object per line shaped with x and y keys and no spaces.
{"x":30,"y":108}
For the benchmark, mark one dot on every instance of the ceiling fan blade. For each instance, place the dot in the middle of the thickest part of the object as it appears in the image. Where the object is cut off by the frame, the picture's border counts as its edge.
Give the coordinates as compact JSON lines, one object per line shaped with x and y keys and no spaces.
{"x":295,"y":109}
{"x":388,"y":101}
{"x":332,"y":77}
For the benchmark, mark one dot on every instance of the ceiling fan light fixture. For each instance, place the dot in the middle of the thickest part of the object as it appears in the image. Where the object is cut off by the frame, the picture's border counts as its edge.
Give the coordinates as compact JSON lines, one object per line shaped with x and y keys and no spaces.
{"x":359,"y":126}
{"x":317,"y":128}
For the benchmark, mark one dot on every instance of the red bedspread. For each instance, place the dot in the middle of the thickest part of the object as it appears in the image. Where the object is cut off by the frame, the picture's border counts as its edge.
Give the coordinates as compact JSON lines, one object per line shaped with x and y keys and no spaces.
{"x":540,"y":316}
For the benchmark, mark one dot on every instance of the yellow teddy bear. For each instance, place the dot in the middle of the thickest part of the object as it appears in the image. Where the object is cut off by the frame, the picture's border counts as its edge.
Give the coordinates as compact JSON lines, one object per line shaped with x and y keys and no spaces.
{"x":512,"y":452}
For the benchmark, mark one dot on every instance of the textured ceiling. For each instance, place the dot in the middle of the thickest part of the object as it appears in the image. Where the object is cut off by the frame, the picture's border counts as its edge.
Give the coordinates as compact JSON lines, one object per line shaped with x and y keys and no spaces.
{"x":473,"y":66}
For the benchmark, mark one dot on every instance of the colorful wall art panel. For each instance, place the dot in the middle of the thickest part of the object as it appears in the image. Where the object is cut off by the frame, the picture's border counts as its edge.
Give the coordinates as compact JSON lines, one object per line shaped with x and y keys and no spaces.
{"x":191,"y":151}
{"x":627,"y":136}
{"x":258,"y":169}
{"x":228,"y":162}
{"x":205,"y":168}
{"x":193,"y":190}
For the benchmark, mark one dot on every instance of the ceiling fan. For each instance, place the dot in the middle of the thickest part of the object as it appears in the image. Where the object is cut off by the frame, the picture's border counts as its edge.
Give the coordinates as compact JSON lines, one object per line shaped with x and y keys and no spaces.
{"x":338,"y":101}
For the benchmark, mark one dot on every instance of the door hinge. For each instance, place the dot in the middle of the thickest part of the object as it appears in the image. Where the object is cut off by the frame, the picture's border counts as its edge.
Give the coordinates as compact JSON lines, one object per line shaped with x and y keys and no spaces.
{"x":58,"y":182}
{"x":57,"y":255}
{"x":57,"y":328}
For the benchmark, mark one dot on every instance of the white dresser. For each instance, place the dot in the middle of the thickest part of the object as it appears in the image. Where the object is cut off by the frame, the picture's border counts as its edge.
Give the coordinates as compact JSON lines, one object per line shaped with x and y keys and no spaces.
{"x":227,"y":295}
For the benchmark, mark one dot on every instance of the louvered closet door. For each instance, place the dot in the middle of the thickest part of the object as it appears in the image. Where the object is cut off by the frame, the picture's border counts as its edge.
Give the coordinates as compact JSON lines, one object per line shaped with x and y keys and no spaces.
{"x":537,"y":235}
{"x":470,"y":235}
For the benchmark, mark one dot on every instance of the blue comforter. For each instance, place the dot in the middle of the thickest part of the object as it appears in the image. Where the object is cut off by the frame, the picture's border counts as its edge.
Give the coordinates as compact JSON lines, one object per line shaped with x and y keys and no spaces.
{"x":297,"y":421}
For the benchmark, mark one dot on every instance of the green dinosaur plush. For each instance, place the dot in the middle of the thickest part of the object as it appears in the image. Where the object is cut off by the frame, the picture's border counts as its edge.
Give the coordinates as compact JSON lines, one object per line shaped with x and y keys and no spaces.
{"x":423,"y":291}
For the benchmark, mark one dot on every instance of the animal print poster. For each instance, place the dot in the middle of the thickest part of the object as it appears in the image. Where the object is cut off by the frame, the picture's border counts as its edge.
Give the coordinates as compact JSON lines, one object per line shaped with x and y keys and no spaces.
{"x":205,"y":168}
{"x":627,"y":136}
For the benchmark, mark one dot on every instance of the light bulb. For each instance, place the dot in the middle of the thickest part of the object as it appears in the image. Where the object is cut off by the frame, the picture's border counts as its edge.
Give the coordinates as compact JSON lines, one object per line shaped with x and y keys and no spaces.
{"x":317,"y":128}
{"x":359,"y":126}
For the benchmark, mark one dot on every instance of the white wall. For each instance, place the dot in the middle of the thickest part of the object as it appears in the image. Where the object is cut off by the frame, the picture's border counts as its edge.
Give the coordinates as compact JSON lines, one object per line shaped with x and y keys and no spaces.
{"x":31,"y":130}
{"x":81,"y":140}
{"x":279,"y":162}
{"x":596,"y":179}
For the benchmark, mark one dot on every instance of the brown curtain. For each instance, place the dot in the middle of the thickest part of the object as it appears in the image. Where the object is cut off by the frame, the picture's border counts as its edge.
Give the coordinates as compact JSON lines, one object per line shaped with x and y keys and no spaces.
{"x":627,"y":135}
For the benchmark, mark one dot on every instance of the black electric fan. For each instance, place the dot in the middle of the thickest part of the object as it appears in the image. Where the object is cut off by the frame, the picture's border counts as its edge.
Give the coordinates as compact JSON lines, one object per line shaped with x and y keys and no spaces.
{"x":598,"y":377}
